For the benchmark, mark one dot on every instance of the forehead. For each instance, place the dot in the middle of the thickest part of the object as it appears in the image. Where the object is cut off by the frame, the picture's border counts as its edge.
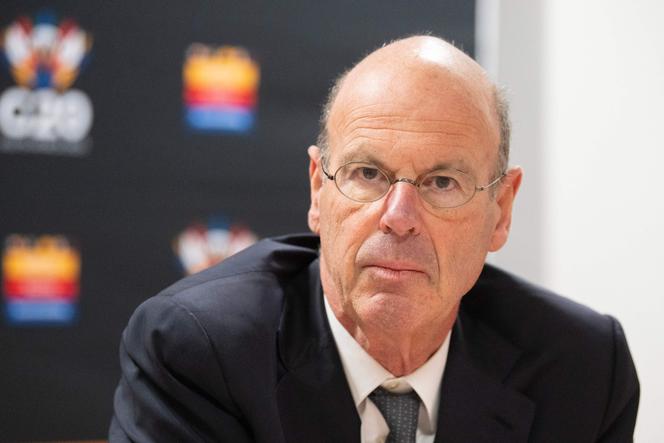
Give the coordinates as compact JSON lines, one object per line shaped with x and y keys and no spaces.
{"x":399,"y":106}
{"x":416,"y":125}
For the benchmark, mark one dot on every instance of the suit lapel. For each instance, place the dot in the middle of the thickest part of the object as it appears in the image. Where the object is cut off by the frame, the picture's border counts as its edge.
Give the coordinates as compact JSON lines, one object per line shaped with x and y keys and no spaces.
{"x":315,"y":403}
{"x":475,"y":405}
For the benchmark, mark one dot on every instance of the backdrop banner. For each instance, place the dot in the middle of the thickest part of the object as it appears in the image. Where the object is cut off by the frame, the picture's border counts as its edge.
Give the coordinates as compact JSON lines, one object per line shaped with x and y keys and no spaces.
{"x":142,"y":141}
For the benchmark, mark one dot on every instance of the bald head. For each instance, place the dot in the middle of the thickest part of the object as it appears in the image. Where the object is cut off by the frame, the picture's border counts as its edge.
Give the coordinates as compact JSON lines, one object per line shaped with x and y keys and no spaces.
{"x":411,"y":71}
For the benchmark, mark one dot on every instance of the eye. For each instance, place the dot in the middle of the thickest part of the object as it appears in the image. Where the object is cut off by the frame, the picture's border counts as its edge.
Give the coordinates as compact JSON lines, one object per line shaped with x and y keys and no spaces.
{"x":369,"y":173}
{"x":440,"y":183}
{"x":361,"y":174}
{"x":362,"y":182}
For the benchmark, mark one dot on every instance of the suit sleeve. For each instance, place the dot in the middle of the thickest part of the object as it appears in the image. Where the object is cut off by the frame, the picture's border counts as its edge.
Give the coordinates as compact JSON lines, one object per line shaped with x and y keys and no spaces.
{"x":620,"y":416}
{"x":172,"y":388}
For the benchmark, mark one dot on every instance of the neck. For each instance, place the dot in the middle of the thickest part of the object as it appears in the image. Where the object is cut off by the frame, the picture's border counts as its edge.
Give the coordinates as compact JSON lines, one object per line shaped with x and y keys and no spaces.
{"x":403,"y":350}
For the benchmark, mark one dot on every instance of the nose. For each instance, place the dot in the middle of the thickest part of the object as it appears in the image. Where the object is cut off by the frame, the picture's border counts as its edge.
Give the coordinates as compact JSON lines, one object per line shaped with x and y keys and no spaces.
{"x":401,"y":215}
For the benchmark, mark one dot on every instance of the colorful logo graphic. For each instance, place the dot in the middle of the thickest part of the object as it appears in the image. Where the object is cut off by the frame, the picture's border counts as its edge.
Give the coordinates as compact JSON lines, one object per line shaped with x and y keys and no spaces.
{"x":41,"y":278}
{"x":200,"y":246}
{"x":44,"y":58}
{"x":220,"y":88}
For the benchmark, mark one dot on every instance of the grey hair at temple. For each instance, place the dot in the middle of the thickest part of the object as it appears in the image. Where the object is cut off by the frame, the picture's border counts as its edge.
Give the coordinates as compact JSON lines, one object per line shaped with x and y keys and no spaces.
{"x":500,"y":103}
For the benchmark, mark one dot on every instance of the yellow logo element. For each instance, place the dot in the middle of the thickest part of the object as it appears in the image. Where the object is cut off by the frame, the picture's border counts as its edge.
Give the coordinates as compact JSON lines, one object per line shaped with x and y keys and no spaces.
{"x":225,"y":68}
{"x":48,"y":257}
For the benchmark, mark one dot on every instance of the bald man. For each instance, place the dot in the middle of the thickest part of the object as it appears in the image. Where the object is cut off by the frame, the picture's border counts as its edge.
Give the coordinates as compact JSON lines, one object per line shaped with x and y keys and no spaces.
{"x":385,"y":324}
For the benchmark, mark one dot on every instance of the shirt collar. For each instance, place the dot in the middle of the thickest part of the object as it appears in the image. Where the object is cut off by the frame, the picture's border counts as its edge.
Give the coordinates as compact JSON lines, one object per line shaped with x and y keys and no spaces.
{"x":364,"y":373}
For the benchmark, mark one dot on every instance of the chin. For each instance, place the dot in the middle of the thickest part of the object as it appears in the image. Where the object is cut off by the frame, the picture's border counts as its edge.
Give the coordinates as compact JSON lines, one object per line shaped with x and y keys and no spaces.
{"x":393,"y":309}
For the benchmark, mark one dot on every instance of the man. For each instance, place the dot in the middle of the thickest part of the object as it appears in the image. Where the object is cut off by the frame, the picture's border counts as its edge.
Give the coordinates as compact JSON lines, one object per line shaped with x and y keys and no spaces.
{"x":396,"y":329}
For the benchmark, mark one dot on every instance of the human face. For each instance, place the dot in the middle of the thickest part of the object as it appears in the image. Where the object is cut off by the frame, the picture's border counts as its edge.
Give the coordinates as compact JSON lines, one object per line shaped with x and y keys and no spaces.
{"x":397,"y":265}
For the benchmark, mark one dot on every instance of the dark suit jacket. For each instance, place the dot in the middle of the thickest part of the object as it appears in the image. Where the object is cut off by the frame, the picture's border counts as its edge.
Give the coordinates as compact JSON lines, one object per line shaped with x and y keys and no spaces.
{"x":243,"y":352}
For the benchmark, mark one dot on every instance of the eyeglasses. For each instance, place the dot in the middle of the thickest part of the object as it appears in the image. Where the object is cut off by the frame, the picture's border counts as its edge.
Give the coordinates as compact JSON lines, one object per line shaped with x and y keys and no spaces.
{"x":442,"y":188}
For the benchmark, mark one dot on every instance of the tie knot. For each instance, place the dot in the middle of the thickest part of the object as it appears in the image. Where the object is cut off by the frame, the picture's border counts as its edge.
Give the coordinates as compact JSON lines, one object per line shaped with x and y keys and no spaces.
{"x":400,"y":412}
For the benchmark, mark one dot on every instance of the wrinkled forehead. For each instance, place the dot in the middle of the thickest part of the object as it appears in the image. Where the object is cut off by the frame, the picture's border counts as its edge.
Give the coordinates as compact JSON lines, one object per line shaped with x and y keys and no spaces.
{"x":428,"y":81}
{"x":414,"y":115}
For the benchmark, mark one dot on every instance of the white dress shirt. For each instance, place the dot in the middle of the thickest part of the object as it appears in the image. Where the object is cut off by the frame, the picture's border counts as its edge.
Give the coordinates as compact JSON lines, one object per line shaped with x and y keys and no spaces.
{"x":364,"y":374}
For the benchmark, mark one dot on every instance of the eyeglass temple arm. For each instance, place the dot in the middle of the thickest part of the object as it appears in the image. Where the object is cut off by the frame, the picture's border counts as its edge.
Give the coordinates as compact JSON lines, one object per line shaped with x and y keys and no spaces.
{"x":329,"y":176}
{"x":500,"y":177}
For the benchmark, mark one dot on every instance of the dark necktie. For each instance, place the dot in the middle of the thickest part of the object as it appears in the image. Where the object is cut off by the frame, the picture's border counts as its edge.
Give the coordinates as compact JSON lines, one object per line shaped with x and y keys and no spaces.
{"x":400,"y":412}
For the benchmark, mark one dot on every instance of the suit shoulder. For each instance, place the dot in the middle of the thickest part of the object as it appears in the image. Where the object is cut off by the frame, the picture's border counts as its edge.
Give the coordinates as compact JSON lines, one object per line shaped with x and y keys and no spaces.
{"x":248,"y":285}
{"x":572,"y":361}
{"x":532,"y":316}
{"x":277,"y":256}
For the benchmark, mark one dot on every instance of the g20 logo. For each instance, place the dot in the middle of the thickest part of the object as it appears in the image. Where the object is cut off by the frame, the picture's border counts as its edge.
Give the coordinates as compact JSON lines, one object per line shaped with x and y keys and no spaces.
{"x":45,"y":114}
{"x":45,"y":58}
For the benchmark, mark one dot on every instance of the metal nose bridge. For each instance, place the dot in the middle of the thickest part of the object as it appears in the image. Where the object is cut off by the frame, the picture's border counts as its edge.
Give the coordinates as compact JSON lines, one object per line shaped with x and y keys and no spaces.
{"x":406,"y":180}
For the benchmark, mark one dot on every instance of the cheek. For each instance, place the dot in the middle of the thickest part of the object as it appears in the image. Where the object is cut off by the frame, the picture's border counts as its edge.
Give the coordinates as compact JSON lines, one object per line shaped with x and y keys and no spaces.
{"x":461,"y":246}
{"x":340,"y":225}
{"x":343,"y":228}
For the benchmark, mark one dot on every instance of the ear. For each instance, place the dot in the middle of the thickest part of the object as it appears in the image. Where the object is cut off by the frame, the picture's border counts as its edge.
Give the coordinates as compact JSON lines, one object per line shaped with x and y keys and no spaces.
{"x":507,"y":190}
{"x":315,"y":181}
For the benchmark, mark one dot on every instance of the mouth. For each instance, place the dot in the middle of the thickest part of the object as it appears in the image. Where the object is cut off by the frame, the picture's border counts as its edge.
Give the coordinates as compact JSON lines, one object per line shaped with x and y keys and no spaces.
{"x":395,"y":270}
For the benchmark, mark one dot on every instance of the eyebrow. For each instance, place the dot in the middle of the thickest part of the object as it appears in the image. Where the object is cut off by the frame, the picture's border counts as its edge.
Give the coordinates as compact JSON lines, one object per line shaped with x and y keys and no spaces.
{"x":357,"y":155}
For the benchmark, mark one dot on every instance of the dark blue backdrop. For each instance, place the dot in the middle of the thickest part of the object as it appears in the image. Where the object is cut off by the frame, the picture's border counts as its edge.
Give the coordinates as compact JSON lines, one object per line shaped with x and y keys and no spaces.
{"x":146,"y":176}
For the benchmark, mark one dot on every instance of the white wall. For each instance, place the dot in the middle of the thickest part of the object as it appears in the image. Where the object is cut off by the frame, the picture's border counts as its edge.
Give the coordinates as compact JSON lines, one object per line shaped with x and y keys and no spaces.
{"x":587,"y":87}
